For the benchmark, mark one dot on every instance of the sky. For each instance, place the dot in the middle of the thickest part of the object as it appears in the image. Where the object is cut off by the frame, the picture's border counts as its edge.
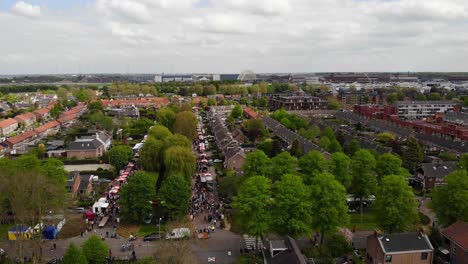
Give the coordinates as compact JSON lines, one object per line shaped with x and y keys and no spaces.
{"x":229,"y":36}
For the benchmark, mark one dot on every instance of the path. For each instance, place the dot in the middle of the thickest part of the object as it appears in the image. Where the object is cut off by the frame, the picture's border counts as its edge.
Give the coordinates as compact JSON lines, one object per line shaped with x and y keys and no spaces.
{"x":424,"y":202}
{"x":87,"y":167}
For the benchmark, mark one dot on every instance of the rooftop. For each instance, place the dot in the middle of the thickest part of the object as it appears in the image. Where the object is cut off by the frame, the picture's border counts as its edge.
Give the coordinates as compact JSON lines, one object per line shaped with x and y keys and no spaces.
{"x":404,"y":242}
{"x":458,"y":233}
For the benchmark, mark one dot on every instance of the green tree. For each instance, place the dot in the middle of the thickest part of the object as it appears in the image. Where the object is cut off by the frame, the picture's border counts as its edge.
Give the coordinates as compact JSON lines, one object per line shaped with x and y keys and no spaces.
{"x":74,"y":255}
{"x":62,"y":94}
{"x":254,"y":128}
{"x":256,"y":163}
{"x":296,"y":148}
{"x":137,"y":195}
{"x":338,"y":245}
{"x":186,"y":124}
{"x":328,"y":199}
{"x":282,"y":164}
{"x":291,"y":206}
{"x":151,"y":154}
{"x":340,"y":166}
{"x":174,"y":195}
{"x":389,"y":164}
{"x":412,"y":154}
{"x":96,"y":106}
{"x":450,"y":201}
{"x":363,"y":182}
{"x":95,"y":250}
{"x":463,"y":162}
{"x":334,"y":146}
{"x":237,"y":112}
{"x":421,"y":97}
{"x":324,"y":142}
{"x":391,"y":98}
{"x":179,"y":161}
{"x":352,"y":147}
{"x":253,"y":206}
{"x":395,"y":204}
{"x":311,"y":164}
{"x":119,"y":156}
{"x":328,"y":132}
{"x":210,"y":90}
{"x":56,"y":110}
{"x":81,"y":95}
{"x":434,"y":97}
{"x":385,"y":137}
{"x":159,"y":132}
{"x":166,"y":117}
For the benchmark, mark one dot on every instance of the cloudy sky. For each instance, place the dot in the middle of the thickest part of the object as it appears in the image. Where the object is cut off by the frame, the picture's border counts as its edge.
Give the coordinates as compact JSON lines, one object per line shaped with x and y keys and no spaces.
{"x":228,"y":36}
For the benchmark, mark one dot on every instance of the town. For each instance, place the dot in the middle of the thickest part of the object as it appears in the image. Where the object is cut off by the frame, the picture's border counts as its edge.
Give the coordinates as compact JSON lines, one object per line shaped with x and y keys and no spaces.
{"x":239,"y":168}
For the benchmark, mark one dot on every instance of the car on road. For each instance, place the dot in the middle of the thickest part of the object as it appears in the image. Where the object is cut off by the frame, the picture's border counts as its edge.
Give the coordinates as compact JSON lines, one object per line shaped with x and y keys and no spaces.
{"x":217,"y":161}
{"x":152,"y":237}
{"x":79,"y":210}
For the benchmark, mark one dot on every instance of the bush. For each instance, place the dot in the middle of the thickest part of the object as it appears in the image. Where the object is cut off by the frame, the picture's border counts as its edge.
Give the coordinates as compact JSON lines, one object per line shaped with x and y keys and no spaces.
{"x":425,"y":220}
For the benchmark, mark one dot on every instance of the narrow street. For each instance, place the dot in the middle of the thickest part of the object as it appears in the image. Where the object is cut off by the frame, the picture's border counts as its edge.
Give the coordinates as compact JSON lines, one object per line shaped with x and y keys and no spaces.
{"x":222,"y":246}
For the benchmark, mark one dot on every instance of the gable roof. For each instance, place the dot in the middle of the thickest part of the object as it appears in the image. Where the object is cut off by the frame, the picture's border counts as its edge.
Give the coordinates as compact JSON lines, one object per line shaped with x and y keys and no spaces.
{"x":47,"y":126}
{"x":7,"y":122}
{"x":250,"y":112}
{"x":438,"y":170}
{"x":404,"y":242}
{"x":25,"y":116}
{"x":458,"y":233}
{"x":42,"y":111}
{"x":21,"y":137}
{"x":84,"y":144}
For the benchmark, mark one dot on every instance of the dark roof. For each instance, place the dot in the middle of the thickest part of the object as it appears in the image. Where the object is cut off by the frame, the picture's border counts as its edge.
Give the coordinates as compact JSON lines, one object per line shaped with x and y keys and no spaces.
{"x":403,"y":242}
{"x":458,"y":233}
{"x":292,"y":255}
{"x":83,"y":184}
{"x":89,"y":144}
{"x":438,"y":170}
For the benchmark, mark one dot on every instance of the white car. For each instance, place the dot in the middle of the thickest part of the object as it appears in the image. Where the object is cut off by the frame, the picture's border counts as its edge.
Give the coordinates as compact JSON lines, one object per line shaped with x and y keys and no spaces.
{"x":179,"y":233}
{"x":217,"y":161}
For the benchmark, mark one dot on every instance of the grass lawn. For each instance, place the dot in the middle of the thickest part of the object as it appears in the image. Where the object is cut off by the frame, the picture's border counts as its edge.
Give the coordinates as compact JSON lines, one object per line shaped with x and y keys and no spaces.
{"x":148,"y":229}
{"x":4,"y":231}
{"x":369,"y":220}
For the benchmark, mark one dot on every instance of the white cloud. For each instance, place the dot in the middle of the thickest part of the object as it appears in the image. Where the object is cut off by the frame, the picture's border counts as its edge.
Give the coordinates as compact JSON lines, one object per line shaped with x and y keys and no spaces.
{"x":232,"y":35}
{"x":27,"y":10}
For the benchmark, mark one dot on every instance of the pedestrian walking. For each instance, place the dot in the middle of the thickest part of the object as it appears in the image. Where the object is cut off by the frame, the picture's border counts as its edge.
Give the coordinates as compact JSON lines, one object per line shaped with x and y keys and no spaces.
{"x":55,"y":246}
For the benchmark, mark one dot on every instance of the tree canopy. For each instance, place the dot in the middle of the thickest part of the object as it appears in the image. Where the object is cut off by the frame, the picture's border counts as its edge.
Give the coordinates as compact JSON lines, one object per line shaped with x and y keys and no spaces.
{"x":137,"y":195}
{"x":179,"y":161}
{"x":119,"y":156}
{"x":186,"y":124}
{"x":174,"y":195}
{"x":340,"y":166}
{"x":95,"y":250}
{"x":312,"y":164}
{"x":256,"y":163}
{"x":450,"y":201}
{"x":74,"y":255}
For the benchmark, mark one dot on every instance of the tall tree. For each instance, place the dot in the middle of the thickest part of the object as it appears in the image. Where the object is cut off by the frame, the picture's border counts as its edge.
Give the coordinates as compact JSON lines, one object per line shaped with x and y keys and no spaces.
{"x":159,"y":132}
{"x":186,"y":124}
{"x":237,"y":112}
{"x":334,"y":146}
{"x":95,"y":250}
{"x":136,"y":196}
{"x":395,"y":204}
{"x":174,"y":195}
{"x":166,"y":117}
{"x":340,"y":165}
{"x":352,"y":147}
{"x":151,"y":154}
{"x":389,"y":164}
{"x":256,"y":163}
{"x":179,"y":160}
{"x":328,"y":199}
{"x":363,"y":182}
{"x":282,"y":164}
{"x":450,"y":201}
{"x":74,"y":255}
{"x":253,"y":206}
{"x":312,"y":164}
{"x":119,"y":156}
{"x":463,"y":162}
{"x":412,"y":154}
{"x":291,"y":206}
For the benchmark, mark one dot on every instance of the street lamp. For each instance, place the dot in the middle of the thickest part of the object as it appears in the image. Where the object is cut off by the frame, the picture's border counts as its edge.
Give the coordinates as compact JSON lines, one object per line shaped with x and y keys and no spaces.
{"x":159,"y":225}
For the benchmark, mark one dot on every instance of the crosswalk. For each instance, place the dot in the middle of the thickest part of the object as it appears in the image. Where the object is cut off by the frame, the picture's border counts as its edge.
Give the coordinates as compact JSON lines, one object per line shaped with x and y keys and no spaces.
{"x":250,"y":242}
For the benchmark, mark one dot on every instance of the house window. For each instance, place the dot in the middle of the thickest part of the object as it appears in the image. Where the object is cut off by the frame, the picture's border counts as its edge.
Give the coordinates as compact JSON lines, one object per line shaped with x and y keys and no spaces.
{"x":388,"y":258}
{"x":424,"y":255}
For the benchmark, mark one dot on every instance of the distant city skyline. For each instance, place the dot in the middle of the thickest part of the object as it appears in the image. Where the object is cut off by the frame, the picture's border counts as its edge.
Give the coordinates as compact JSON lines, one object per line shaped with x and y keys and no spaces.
{"x":229,"y":36}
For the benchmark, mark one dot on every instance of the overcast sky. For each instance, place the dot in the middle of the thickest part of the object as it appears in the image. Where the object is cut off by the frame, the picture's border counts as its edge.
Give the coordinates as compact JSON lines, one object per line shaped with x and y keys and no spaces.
{"x":228,"y":36}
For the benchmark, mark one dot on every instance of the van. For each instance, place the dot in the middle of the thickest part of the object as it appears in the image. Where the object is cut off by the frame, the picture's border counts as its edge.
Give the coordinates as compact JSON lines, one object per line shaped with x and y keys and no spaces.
{"x":179,"y":233}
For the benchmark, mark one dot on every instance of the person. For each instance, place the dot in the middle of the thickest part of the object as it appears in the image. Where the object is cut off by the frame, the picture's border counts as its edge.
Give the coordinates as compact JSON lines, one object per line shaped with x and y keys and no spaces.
{"x":133,"y":254}
{"x":55,"y":246}
{"x":110,"y":253}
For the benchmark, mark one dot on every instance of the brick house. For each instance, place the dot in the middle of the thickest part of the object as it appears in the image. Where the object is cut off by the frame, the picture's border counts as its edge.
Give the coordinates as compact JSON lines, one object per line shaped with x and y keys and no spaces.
{"x":234,"y":159}
{"x":456,"y":240}
{"x":50,"y":128}
{"x":21,"y":139}
{"x":85,"y":148}
{"x":8,"y":126}
{"x":431,"y":175}
{"x":27,"y":119}
{"x":73,"y":182}
{"x":42,"y":114}
{"x":414,"y":248}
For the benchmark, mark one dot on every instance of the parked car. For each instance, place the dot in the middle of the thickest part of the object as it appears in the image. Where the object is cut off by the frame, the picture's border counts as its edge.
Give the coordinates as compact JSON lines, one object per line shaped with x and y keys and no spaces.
{"x":217,"y":161}
{"x":179,"y":233}
{"x":152,"y":237}
{"x":79,"y":210}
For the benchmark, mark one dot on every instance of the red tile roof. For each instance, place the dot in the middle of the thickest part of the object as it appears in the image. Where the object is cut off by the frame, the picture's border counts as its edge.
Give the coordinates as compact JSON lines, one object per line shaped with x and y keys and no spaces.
{"x":7,"y":122}
{"x":67,"y":118}
{"x":47,"y":126}
{"x":458,"y":233}
{"x":25,"y":116}
{"x":150,"y":101}
{"x":21,"y":137}
{"x":250,"y":112}
{"x":42,"y":111}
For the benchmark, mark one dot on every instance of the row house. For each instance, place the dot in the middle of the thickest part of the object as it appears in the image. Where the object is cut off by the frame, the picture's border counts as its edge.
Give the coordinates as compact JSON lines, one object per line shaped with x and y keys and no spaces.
{"x":298,"y":101}
{"x":21,"y":139}
{"x":42,"y":114}
{"x":431,"y":175}
{"x":456,"y":241}
{"x":156,"y":102}
{"x":26,"y":119}
{"x":67,"y":120}
{"x":8,"y":126}
{"x":47,"y":129}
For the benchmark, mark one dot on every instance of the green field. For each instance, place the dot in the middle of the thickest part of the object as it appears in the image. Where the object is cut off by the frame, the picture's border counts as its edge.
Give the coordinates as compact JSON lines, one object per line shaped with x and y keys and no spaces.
{"x":369,"y":220}
{"x":148,"y":229}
